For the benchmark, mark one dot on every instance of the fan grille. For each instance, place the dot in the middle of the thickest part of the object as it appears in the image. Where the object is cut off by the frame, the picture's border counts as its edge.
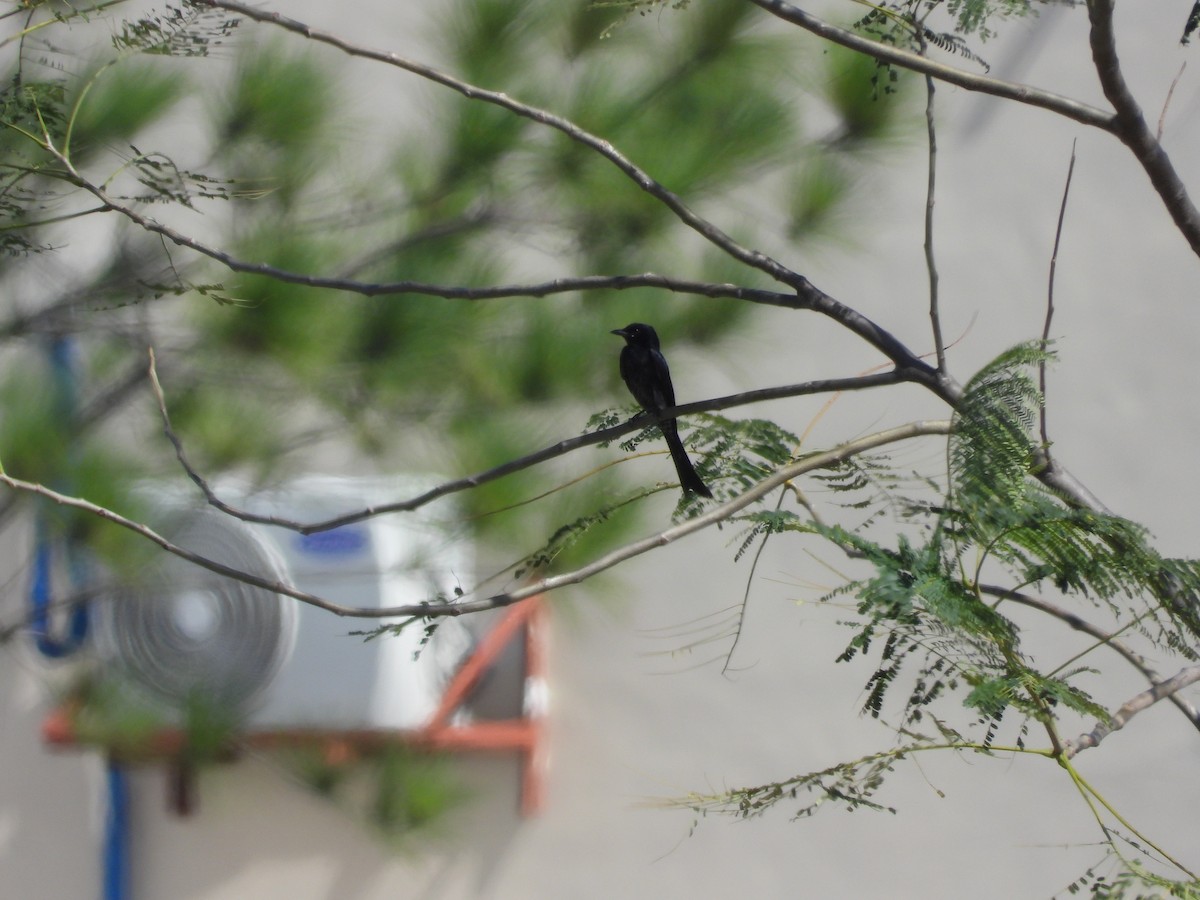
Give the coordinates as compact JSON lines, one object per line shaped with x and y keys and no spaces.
{"x":182,"y":633}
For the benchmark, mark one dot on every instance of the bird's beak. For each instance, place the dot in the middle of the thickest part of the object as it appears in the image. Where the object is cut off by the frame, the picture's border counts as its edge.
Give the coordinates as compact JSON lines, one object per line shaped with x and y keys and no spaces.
{"x":619,"y":331}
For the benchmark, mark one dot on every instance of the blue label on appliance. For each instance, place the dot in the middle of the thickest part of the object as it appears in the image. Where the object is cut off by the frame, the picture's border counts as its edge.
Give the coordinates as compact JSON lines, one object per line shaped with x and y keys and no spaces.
{"x":345,"y":541}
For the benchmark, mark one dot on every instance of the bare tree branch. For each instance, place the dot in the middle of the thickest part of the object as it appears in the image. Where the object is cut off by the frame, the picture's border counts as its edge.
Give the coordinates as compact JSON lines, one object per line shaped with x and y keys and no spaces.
{"x":930,"y":197}
{"x":516,"y":465}
{"x":806,"y":295}
{"x":551,"y":582}
{"x":154,"y":537}
{"x":60,"y":604}
{"x":1021,"y":93}
{"x":1062,"y":213}
{"x":1129,"y":125}
{"x":1131,"y":708}
{"x":637,"y":175}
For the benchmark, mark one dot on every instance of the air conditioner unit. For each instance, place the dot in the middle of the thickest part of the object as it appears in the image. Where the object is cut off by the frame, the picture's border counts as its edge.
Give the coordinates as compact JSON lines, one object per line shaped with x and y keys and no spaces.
{"x":181,"y":633}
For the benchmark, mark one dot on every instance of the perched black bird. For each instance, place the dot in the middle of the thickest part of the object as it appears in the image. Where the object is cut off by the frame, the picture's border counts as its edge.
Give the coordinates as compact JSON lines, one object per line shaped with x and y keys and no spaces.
{"x":644,"y":369}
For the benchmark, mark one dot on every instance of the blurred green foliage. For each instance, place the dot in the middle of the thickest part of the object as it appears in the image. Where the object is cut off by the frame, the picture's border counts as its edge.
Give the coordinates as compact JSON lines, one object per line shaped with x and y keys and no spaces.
{"x":284,"y":165}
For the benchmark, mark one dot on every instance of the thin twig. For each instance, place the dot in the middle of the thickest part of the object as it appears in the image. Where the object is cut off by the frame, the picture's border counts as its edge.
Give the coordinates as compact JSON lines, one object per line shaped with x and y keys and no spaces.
{"x":1162,"y":116}
{"x":1062,"y":212}
{"x":1092,"y":796}
{"x":447,"y":292}
{"x":740,"y":619}
{"x":930,"y":262}
{"x":209,"y":494}
{"x":57,"y":605}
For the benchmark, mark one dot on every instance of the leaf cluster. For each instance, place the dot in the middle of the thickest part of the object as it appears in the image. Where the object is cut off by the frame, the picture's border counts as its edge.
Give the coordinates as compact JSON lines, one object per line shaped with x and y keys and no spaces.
{"x":1132,"y":879}
{"x":851,"y":785}
{"x":926,"y":616}
{"x":187,"y":30}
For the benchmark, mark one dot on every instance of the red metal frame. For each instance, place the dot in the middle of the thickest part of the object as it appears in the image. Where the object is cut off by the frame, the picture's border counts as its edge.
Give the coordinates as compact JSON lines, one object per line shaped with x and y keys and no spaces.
{"x":525,"y":734}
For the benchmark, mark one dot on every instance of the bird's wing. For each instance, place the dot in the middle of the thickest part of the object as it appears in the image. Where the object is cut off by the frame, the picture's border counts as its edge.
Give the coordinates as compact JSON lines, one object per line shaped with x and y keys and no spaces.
{"x":664,"y":392}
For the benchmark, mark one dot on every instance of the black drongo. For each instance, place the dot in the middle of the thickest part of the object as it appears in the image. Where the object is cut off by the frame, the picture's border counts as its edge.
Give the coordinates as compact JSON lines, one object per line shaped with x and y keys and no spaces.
{"x":644,"y":369}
